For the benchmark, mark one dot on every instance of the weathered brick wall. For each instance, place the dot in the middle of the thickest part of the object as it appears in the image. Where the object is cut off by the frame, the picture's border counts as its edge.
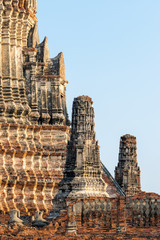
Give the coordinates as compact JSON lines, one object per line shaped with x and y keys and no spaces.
{"x":32,"y":160}
{"x":116,"y":217}
{"x":93,"y":218}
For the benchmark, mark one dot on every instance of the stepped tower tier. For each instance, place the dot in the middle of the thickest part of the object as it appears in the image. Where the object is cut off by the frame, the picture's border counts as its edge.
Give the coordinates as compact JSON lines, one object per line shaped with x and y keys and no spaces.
{"x":45,"y":81}
{"x":127,"y":173}
{"x":32,"y":85}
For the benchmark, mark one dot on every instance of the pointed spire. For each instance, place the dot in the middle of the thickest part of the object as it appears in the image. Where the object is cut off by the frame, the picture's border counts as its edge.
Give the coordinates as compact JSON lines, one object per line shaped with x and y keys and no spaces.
{"x":33,"y":38}
{"x":45,"y":50}
{"x":61,"y":65}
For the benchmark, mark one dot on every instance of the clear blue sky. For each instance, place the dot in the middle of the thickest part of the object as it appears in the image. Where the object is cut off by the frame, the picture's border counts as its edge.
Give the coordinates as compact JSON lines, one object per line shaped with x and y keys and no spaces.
{"x":112,"y":54}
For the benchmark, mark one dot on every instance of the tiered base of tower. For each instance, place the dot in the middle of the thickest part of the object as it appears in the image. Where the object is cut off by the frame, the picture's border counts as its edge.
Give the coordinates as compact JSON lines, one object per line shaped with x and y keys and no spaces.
{"x":32,"y":160}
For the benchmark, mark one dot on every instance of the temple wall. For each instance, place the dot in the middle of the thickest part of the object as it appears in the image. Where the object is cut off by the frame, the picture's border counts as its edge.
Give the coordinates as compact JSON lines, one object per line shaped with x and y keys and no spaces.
{"x":115,"y":216}
{"x":99,"y":218}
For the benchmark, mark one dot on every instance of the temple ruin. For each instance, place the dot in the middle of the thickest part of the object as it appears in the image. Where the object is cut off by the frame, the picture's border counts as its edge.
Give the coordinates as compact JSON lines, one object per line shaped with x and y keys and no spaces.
{"x":50,"y":166}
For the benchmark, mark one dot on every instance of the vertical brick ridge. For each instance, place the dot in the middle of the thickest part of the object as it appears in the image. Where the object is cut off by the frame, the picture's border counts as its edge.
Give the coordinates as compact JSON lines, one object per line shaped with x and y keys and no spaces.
{"x":28,"y":164}
{"x":25,"y":182}
{"x":9,"y":167}
{"x":13,"y":46}
{"x":2,"y":103}
{"x":46,"y":176}
{"x":4,"y":181}
{"x":40,"y":181}
{"x":21,"y":178}
{"x":10,"y":107}
{"x":30,"y":138}
{"x":22,"y":140}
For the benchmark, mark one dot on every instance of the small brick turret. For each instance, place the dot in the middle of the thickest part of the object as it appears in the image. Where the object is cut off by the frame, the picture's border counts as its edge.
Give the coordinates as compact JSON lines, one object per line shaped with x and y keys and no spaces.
{"x":127,"y":173}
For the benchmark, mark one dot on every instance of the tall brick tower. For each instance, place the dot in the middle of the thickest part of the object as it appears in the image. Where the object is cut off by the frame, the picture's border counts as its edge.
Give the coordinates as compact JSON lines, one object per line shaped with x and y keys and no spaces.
{"x":34,"y":125}
{"x":127,"y":173}
{"x":32,"y":85}
{"x":83,"y":173}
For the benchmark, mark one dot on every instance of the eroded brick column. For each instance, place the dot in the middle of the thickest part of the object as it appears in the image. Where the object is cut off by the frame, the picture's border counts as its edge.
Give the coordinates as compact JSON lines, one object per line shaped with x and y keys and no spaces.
{"x":2,"y":104}
{"x":21,"y":81}
{"x":15,"y":87}
{"x":34,"y":115}
{"x":10,"y":107}
{"x":57,"y":111}
{"x":45,"y":115}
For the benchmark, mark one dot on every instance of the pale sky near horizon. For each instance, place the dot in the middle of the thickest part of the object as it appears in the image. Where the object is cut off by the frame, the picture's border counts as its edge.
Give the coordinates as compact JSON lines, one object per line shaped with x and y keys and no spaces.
{"x":112,"y":54}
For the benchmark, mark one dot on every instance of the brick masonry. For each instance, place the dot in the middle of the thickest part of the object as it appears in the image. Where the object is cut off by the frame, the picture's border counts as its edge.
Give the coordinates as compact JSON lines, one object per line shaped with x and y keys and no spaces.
{"x":47,"y":166}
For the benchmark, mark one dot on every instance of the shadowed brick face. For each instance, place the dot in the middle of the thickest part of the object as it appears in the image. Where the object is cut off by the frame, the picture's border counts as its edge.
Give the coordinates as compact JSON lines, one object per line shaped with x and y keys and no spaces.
{"x":47,"y":166}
